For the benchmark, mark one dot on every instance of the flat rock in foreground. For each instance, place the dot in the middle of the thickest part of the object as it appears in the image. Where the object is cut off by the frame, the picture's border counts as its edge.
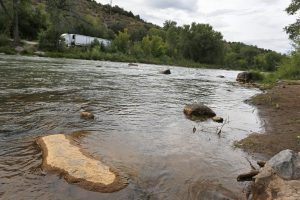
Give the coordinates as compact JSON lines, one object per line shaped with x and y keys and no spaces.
{"x":60,"y":155}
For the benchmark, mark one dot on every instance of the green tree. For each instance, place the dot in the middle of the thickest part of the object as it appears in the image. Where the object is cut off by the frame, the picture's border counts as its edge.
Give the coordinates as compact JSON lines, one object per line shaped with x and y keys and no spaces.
{"x":293,"y":30}
{"x":122,"y":42}
{"x":201,"y":43}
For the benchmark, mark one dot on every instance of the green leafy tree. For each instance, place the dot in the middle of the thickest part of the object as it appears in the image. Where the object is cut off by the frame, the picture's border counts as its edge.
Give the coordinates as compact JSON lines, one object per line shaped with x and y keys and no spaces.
{"x":201,"y":43}
{"x":293,"y":30}
{"x":122,"y":42}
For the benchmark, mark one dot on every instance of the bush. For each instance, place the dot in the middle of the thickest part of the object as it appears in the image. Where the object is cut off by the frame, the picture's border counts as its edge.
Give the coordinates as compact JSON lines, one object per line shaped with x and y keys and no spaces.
{"x":290,"y":69}
{"x":4,"y":40}
{"x":257,"y":76}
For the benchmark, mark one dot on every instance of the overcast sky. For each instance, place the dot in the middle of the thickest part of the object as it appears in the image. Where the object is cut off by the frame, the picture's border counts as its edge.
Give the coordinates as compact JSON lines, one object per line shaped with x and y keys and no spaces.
{"x":256,"y":22}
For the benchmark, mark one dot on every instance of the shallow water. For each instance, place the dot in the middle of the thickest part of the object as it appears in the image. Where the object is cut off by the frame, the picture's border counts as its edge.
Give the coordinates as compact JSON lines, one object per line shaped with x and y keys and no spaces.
{"x":139,"y":129}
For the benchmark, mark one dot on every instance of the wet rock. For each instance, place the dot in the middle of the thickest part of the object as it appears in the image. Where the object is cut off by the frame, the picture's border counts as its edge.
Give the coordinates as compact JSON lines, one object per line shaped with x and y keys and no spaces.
{"x":279,"y":178}
{"x":218,"y":119}
{"x":168,"y":71}
{"x":221,"y":76}
{"x":132,"y":65}
{"x":62,"y":156}
{"x":244,"y":77}
{"x":198,"y":110}
{"x":247,"y":176}
{"x":87,"y":115}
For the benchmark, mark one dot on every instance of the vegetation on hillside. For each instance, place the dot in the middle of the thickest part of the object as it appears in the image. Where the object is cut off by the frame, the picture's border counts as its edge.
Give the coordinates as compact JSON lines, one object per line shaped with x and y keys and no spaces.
{"x":133,"y":39}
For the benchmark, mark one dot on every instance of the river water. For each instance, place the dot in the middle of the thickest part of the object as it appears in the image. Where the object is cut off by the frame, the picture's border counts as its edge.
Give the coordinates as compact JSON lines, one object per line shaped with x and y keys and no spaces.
{"x":139,"y":127}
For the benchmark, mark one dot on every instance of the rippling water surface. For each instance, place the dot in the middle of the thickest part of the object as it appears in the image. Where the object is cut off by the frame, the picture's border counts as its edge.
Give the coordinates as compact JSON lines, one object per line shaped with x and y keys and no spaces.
{"x":139,"y":128}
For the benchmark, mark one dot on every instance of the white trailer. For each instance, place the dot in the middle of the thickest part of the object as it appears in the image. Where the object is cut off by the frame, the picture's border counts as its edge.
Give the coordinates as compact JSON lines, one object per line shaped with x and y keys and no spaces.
{"x":82,"y":40}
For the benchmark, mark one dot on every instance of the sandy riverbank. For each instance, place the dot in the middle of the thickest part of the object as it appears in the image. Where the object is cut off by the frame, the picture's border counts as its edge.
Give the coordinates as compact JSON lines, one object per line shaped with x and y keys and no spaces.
{"x":279,"y":108}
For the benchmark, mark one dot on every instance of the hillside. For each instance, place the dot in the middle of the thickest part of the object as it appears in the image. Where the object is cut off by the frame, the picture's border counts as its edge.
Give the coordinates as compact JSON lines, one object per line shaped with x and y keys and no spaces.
{"x":113,"y":19}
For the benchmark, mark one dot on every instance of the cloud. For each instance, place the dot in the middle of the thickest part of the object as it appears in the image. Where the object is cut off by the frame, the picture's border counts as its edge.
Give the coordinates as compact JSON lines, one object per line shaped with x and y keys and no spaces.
{"x":188,"y":5}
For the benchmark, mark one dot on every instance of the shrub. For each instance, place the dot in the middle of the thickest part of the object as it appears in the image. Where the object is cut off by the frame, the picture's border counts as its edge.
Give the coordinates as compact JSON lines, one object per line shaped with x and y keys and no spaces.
{"x":4,"y":40}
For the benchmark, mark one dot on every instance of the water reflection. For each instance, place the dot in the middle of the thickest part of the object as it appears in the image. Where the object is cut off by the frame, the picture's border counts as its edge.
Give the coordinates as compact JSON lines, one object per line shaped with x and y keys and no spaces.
{"x":139,"y":128}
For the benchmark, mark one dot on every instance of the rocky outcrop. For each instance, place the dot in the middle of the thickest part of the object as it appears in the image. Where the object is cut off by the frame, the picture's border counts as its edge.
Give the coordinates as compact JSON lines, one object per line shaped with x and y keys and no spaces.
{"x":244,"y":77}
{"x":60,"y":155}
{"x":195,"y":111}
{"x":167,"y":72}
{"x":279,"y":178}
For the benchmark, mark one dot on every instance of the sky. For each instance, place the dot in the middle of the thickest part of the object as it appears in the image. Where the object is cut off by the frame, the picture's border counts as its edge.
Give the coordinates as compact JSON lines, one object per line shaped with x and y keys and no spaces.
{"x":255,"y":22}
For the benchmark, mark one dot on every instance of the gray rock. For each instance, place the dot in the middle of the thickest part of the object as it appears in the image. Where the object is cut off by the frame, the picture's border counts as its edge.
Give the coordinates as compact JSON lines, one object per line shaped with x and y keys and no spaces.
{"x":166,"y":72}
{"x":244,"y":77}
{"x":286,"y":164}
{"x":198,"y":110}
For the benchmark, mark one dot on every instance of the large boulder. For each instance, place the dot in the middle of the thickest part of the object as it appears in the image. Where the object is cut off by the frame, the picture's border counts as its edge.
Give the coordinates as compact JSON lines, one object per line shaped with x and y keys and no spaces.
{"x":286,"y":164}
{"x":244,"y":77}
{"x":279,"y":178}
{"x":199,"y":111}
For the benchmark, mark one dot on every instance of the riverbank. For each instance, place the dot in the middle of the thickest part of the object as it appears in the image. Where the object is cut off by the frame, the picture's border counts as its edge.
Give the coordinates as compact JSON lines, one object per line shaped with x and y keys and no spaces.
{"x":29,"y":49}
{"x":279,"y":109}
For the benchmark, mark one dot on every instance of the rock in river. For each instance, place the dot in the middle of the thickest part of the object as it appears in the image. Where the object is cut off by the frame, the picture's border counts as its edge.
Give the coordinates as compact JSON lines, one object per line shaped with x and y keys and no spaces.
{"x":167,"y":72}
{"x":198,"y":110}
{"x":218,"y":119}
{"x":244,"y":77}
{"x":87,"y":115}
{"x":60,"y":155}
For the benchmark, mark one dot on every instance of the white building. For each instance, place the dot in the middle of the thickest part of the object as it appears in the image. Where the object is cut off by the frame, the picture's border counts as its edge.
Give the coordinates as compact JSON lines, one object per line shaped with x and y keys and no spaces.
{"x":82,"y":40}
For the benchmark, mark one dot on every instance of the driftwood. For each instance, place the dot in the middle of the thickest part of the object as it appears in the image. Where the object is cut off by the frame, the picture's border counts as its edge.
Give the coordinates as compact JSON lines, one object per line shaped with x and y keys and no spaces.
{"x":261,"y":163}
{"x":247,"y":176}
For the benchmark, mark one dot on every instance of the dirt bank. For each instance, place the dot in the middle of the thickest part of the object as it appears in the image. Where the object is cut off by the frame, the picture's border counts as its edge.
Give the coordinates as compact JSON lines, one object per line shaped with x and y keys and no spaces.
{"x":279,"y":108}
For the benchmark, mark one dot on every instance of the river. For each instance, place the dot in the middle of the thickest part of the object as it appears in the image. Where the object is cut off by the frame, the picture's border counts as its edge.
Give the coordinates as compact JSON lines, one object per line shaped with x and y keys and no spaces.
{"x":139,"y":127}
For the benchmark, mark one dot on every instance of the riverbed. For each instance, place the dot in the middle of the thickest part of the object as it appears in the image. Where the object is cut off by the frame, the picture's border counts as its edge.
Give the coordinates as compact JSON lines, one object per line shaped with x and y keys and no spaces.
{"x":139,"y":127}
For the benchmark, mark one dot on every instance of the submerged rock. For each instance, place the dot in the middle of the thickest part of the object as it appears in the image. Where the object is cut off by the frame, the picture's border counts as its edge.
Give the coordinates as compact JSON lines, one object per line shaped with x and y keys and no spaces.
{"x":198,"y":111}
{"x":244,"y":77}
{"x":221,"y":76}
{"x":60,"y":155}
{"x":87,"y":115}
{"x":132,"y":65}
{"x":168,"y":71}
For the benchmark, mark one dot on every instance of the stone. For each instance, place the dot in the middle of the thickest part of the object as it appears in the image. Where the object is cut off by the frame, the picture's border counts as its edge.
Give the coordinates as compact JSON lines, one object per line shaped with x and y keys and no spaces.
{"x":244,"y":77}
{"x":218,"y":119}
{"x":221,"y":76}
{"x":60,"y":155}
{"x":87,"y":115}
{"x":132,"y":65}
{"x":279,"y":178}
{"x":286,"y":164}
{"x":168,"y":71}
{"x":198,"y":110}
